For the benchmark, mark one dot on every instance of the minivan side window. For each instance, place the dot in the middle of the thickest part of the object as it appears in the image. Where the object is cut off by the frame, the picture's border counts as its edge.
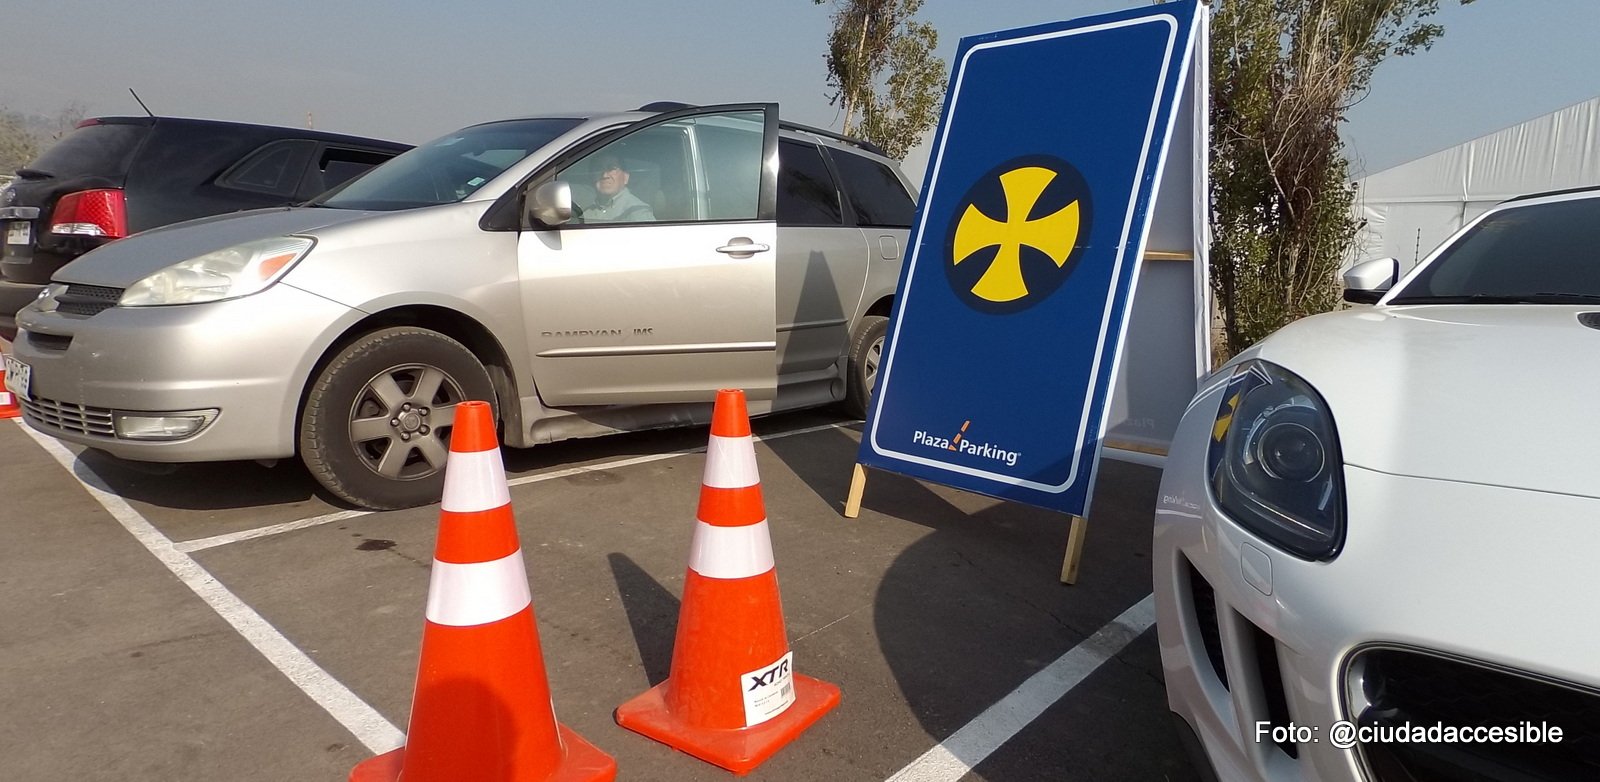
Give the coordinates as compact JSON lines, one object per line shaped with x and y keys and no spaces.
{"x":806,"y":192}
{"x":875,"y":193}
{"x":644,"y":177}
{"x":702,"y":168}
{"x":274,"y":169}
{"x":730,"y":155}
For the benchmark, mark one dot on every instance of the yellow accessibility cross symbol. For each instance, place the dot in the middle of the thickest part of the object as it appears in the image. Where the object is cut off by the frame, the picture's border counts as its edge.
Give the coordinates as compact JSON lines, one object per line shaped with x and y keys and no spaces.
{"x":1016,"y":232}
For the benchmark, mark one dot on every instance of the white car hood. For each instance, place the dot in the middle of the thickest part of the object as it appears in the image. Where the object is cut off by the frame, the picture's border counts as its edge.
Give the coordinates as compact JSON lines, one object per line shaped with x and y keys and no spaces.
{"x":1503,"y":395}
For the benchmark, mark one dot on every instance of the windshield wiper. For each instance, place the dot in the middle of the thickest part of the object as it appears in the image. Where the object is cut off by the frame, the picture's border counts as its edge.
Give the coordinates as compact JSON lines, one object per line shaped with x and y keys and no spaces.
{"x":1497,"y":298}
{"x":34,"y":173}
{"x":1564,"y":298}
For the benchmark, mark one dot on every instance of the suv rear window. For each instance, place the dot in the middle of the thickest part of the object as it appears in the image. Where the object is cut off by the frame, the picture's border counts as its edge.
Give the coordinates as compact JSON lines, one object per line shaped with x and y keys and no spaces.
{"x":875,"y":192}
{"x":103,"y":149}
{"x":274,"y":169}
{"x":806,"y":195}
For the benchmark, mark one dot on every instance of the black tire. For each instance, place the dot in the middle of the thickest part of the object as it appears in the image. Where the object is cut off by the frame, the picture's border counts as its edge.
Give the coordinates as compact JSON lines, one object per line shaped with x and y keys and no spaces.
{"x":866,"y":350}
{"x":394,"y":388}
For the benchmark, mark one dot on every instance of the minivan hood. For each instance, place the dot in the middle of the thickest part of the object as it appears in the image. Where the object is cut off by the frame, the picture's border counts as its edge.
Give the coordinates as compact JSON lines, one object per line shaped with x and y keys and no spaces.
{"x":126,"y":261}
{"x":1493,"y":394}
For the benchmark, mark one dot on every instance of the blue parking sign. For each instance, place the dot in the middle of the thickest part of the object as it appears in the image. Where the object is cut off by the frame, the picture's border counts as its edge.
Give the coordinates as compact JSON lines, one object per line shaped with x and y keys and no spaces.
{"x":1012,"y":304}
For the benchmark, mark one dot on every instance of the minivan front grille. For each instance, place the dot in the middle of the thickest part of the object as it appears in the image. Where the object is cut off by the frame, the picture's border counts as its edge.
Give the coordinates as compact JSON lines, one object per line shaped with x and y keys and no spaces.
{"x":87,"y":300}
{"x":44,"y":341}
{"x":68,"y":417}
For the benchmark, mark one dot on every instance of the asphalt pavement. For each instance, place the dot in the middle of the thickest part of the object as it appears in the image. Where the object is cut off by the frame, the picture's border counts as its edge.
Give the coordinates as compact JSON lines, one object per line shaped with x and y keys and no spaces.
{"x":228,"y":621}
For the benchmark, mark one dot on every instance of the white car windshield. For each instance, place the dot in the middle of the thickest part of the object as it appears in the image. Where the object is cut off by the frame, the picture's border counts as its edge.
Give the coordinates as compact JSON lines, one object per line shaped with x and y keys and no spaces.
{"x":1535,"y":254}
{"x":447,"y":169}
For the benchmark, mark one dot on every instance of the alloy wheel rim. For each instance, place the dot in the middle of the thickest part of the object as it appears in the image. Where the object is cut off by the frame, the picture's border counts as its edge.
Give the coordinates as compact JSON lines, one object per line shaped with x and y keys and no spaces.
{"x":399,"y":423}
{"x":870,"y":363}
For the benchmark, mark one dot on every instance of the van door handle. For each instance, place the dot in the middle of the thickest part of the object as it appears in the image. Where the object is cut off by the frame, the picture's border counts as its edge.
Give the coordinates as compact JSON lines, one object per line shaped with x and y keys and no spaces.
{"x":742,"y":247}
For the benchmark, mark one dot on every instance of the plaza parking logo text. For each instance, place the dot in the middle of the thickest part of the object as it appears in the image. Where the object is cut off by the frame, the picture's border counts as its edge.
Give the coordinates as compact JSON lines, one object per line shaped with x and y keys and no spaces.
{"x":1017,"y":232}
{"x":960,"y":444}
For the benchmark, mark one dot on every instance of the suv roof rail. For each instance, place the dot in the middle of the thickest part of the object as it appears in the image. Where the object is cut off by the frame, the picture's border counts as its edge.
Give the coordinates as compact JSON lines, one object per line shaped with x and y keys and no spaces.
{"x":856,"y":142}
{"x":672,"y":105}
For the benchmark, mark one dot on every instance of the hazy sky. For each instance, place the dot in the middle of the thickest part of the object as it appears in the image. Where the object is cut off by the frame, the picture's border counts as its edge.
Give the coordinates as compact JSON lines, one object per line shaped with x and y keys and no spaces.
{"x":410,"y":70}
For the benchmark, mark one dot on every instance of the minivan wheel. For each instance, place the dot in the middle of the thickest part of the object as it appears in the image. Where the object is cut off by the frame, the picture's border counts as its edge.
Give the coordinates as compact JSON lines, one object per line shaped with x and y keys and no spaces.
{"x":375,"y":430}
{"x":866,"y":351}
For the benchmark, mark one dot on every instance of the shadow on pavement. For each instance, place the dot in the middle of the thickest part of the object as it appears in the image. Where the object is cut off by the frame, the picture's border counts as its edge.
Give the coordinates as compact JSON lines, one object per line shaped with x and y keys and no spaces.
{"x":822,"y":462}
{"x":966,"y":614}
{"x":206,"y":485}
{"x":652,"y":614}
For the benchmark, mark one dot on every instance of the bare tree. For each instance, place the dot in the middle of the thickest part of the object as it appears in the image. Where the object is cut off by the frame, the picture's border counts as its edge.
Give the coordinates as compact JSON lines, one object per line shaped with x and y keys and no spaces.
{"x":18,"y":146}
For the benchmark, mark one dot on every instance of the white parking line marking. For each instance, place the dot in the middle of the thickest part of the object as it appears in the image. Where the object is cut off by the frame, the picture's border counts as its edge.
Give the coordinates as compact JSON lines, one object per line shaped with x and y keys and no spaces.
{"x":954,"y":757}
{"x":201,"y":544}
{"x":377,"y":734}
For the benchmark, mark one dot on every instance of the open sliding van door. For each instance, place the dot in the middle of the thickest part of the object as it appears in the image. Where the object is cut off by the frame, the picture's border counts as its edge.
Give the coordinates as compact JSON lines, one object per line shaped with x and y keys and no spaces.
{"x":660,"y":288}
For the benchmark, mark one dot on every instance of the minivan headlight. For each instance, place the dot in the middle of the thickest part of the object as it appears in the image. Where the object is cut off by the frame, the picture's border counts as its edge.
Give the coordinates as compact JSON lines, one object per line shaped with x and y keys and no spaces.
{"x":228,"y":273}
{"x":1274,"y":461}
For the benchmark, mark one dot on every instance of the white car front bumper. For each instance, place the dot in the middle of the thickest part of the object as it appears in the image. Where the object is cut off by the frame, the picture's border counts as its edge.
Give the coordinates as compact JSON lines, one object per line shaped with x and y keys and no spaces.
{"x":1439,"y":571}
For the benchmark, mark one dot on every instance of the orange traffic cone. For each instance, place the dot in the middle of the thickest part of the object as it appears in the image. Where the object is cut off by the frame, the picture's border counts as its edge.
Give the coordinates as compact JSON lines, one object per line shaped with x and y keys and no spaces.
{"x":482,"y":708}
{"x":732,"y":697}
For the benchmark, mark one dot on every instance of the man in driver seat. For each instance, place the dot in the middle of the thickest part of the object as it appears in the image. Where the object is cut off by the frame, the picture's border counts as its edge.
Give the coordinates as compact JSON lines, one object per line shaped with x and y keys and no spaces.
{"x":613,"y":202}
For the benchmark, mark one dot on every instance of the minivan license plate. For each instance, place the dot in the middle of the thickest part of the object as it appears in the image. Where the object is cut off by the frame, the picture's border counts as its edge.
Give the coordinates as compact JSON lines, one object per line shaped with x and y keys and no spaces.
{"x":18,"y":232}
{"x":17,"y":376}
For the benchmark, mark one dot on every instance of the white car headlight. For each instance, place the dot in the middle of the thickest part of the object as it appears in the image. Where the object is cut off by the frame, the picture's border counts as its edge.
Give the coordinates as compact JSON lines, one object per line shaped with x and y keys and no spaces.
{"x":1274,"y":461}
{"x":228,"y":273}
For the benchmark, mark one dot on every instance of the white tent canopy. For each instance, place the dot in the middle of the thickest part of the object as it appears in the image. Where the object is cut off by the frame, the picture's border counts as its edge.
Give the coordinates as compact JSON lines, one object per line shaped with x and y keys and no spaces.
{"x":1408,"y":210}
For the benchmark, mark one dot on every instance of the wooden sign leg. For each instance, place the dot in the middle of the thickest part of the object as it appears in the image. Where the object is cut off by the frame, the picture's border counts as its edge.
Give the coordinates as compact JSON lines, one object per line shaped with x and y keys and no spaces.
{"x":1069,"y":564}
{"x":858,"y":485}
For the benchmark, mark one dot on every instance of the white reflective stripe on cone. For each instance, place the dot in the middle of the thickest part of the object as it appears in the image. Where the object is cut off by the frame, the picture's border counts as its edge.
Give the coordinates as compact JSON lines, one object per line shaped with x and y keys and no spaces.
{"x":475,"y":481}
{"x":731,"y":463}
{"x":730,"y":552}
{"x":477,"y":593}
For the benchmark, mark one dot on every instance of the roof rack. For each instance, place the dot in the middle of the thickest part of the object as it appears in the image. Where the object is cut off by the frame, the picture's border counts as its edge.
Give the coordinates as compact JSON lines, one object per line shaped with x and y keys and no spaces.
{"x":856,"y":142}
{"x":666,"y":105}
{"x":672,"y":105}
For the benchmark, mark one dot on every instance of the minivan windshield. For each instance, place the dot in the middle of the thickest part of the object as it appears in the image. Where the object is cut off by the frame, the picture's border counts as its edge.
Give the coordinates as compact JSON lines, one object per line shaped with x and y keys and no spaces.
{"x":1536,"y":254}
{"x":447,"y":169}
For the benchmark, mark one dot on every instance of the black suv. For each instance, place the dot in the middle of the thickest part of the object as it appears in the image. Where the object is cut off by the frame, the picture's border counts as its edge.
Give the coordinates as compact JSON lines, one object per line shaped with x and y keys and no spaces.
{"x":115,"y":176}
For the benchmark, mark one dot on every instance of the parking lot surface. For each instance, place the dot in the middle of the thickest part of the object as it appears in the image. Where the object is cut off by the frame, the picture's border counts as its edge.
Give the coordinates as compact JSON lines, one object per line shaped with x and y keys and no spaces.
{"x":225,"y":621}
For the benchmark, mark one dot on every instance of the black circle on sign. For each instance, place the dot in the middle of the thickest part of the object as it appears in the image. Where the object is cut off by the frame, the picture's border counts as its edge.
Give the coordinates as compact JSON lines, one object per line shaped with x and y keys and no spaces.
{"x":1040,"y":274}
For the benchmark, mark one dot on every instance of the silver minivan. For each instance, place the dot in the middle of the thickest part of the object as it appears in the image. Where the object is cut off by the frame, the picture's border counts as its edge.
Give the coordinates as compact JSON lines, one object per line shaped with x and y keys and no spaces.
{"x":585,"y":274}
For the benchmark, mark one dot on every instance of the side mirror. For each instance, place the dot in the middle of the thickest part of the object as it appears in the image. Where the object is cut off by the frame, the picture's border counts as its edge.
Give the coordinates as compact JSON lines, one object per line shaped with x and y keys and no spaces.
{"x":548,"y":204}
{"x":1366,"y":282}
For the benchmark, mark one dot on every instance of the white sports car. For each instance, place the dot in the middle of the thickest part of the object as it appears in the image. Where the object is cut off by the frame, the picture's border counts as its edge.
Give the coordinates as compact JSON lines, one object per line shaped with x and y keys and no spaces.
{"x":1377,"y":542}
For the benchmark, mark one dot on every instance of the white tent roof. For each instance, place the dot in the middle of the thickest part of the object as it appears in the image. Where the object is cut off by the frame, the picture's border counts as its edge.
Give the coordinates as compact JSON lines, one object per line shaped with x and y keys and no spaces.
{"x":1412,"y":207}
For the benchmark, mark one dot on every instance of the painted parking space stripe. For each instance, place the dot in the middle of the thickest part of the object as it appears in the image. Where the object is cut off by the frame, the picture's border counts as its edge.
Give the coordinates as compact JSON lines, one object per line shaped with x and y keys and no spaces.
{"x":956,"y":756}
{"x":201,"y":544}
{"x":374,"y":732}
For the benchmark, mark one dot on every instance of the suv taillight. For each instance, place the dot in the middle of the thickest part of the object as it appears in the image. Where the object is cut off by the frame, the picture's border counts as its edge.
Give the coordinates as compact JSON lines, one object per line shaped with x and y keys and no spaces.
{"x":91,"y":213}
